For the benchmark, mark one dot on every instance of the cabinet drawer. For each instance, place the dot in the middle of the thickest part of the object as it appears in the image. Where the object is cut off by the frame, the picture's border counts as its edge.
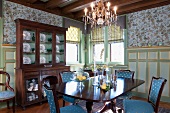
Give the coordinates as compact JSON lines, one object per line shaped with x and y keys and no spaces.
{"x":49,"y":72}
{"x":32,"y":73}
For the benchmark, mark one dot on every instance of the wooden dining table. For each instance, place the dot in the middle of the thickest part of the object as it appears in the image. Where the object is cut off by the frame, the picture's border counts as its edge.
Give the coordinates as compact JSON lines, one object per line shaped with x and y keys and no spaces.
{"x":90,"y":93}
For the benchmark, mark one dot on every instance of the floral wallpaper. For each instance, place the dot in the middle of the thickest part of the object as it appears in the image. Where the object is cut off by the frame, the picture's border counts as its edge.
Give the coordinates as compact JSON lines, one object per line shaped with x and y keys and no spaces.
{"x":149,"y":27}
{"x":13,"y":11}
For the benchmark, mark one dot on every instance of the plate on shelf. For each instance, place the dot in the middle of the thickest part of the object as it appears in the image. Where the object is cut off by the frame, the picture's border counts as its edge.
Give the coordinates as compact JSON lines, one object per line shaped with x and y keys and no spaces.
{"x":26,"y":35}
{"x":57,"y":48}
{"x":42,"y":60}
{"x":42,"y":48}
{"x":26,"y":60}
{"x":57,"y":60}
{"x":26,"y":47}
{"x":57,"y":39}
{"x":42,"y":37}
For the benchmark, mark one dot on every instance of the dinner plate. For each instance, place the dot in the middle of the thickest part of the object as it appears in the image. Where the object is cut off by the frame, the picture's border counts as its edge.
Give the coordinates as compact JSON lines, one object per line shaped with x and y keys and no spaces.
{"x":57,"y":39}
{"x":26,"y":60}
{"x":42,"y":37}
{"x":26,"y":47}
{"x":42,"y":60}
{"x":26,"y":35}
{"x":57,"y":60}
{"x":57,"y":48}
{"x":42,"y":48}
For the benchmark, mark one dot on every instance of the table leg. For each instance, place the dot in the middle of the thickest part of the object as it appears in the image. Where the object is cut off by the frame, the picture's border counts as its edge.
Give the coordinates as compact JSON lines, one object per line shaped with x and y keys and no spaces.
{"x":89,"y":107}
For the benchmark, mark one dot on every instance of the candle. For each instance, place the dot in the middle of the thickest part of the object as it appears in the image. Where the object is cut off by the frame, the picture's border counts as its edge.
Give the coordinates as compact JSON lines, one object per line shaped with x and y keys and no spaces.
{"x":85,"y":10}
{"x":108,"y":5}
{"x":92,"y":5}
{"x":115,"y":8}
{"x":94,"y":64}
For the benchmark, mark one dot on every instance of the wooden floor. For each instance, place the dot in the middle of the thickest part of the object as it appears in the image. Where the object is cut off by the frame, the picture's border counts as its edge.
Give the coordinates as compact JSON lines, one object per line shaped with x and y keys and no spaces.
{"x":44,"y":108}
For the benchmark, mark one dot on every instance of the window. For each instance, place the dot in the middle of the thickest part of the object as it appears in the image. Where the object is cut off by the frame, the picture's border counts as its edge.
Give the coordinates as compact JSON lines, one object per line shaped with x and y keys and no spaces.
{"x":71,"y":52}
{"x":117,"y":52}
{"x":72,"y":44}
{"x":99,"y":52}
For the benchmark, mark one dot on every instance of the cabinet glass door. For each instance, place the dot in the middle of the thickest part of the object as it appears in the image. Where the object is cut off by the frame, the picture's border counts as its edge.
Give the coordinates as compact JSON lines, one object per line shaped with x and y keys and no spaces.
{"x":60,"y":48}
{"x":45,"y":47}
{"x":32,"y":89}
{"x":29,"y":39}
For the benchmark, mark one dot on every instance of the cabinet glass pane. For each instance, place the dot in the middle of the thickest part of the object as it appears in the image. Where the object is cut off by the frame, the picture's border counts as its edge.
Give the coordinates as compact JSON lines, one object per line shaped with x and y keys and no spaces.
{"x":59,"y":48}
{"x":32,"y":89}
{"x":29,"y":39}
{"x":45,"y":47}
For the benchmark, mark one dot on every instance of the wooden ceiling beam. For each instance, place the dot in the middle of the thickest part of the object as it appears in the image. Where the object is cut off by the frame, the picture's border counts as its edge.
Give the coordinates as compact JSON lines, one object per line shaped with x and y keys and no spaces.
{"x":142,"y":6}
{"x":132,"y":7}
{"x":31,"y":1}
{"x":55,"y":3}
{"x":77,"y":6}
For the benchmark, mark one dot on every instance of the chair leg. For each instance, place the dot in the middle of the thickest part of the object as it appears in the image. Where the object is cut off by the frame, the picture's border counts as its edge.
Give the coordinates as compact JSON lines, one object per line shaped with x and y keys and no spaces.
{"x":8,"y":104}
{"x":63,"y":103}
{"x":13,"y":105}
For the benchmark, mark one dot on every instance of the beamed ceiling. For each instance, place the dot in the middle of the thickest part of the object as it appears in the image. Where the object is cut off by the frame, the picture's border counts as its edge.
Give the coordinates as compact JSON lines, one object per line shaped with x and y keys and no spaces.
{"x":75,"y":8}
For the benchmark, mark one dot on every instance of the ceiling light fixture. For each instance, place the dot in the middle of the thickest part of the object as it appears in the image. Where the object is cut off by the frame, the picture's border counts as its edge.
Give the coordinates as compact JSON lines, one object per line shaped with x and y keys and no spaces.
{"x":100,"y":14}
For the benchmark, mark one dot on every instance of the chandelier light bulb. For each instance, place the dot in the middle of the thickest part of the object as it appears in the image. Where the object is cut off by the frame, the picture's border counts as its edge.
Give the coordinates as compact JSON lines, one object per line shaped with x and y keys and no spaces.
{"x":108,"y":5}
{"x":92,"y":5}
{"x":85,"y":10}
{"x":115,"y":9}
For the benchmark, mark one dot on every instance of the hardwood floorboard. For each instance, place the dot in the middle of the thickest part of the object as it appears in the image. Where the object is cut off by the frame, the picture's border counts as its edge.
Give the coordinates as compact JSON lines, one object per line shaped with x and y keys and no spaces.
{"x":44,"y":108}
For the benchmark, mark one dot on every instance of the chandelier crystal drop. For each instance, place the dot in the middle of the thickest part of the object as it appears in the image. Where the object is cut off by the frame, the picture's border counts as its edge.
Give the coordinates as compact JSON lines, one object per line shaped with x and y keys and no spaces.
{"x":101,"y":14}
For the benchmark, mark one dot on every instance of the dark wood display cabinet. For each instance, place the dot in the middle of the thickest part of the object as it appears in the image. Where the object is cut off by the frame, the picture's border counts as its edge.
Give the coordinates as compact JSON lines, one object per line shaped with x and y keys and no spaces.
{"x":40,"y":51}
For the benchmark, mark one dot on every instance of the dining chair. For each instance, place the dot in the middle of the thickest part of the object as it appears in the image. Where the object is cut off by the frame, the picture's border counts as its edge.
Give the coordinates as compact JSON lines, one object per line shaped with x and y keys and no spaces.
{"x":67,"y":76}
{"x":152,"y":104}
{"x":52,"y":98}
{"x":125,"y":74}
{"x":8,"y":94}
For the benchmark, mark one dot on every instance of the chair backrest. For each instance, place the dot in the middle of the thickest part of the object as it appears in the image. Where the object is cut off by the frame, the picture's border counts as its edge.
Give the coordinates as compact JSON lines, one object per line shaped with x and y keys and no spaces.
{"x":51,"y":93}
{"x":66,"y":76}
{"x":6,"y":83}
{"x":155,"y":91}
{"x":124,"y":73}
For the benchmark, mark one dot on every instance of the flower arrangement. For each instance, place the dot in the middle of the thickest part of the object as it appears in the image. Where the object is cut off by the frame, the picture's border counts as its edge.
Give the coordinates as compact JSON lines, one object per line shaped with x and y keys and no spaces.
{"x":80,"y":78}
{"x":105,"y":87}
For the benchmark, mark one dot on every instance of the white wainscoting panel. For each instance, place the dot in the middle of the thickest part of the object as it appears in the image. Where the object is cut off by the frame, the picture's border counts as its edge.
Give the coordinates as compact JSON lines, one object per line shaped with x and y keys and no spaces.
{"x":153,"y":55}
{"x":142,"y":75}
{"x":132,"y":56}
{"x":10,"y":69}
{"x":152,"y":71}
{"x":142,"y":55}
{"x":165,"y":55}
{"x":164,"y":72}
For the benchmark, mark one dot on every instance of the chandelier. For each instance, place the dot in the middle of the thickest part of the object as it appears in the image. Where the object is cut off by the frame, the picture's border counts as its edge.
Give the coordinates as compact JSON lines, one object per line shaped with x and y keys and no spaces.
{"x":100,"y":14}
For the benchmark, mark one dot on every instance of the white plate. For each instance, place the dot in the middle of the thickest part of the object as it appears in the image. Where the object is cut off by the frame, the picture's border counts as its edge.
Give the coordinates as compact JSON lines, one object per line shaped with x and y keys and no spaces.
{"x":42,"y":60}
{"x":42,"y":48}
{"x":57,"y":39}
{"x":57,"y":60}
{"x":26,"y":60}
{"x":26,"y":35}
{"x":42,"y":37}
{"x":57,"y":48}
{"x":26,"y":47}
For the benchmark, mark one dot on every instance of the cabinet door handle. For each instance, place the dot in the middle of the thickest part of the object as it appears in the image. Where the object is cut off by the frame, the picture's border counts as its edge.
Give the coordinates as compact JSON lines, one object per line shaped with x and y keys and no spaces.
{"x":47,"y":65}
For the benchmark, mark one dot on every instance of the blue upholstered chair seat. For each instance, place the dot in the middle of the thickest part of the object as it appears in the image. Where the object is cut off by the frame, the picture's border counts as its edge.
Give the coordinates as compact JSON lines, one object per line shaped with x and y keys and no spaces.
{"x":72,"y":109}
{"x":137,"y":106}
{"x":6,"y":95}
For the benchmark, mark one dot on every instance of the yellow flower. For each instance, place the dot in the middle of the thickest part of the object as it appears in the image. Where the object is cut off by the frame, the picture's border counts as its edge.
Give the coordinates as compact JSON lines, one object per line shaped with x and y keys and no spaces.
{"x":81,"y":78}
